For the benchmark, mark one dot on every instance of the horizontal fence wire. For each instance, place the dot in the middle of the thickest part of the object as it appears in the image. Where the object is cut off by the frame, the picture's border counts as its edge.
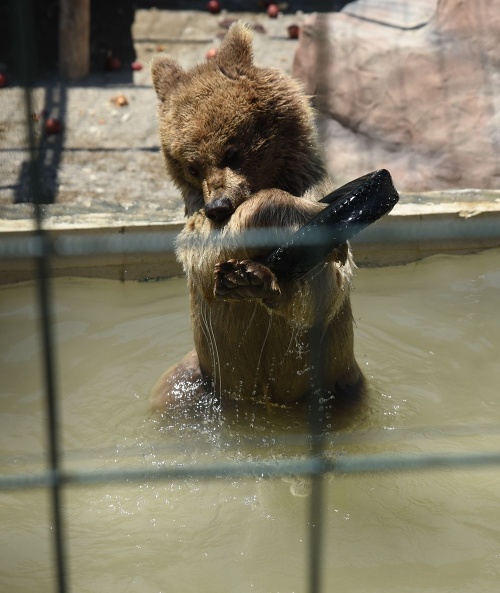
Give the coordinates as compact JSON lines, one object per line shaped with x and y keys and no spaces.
{"x":67,"y":244}
{"x":305,"y":467}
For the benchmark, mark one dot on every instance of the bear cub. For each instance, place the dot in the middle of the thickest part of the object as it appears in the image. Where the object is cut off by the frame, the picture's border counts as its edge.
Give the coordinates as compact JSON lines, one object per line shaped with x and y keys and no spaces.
{"x":240,"y":143}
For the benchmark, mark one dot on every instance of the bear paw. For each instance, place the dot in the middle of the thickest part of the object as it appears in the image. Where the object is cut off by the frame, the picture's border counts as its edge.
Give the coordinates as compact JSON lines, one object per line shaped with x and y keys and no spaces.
{"x":245,"y":279}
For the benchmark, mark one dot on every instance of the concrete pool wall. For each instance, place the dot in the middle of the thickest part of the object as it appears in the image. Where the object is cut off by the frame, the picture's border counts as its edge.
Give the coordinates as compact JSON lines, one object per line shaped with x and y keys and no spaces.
{"x":422,"y":224}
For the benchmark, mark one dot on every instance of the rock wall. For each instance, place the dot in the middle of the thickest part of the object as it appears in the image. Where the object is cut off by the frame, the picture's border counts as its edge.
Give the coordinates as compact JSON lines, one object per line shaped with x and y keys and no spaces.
{"x":417,"y":94}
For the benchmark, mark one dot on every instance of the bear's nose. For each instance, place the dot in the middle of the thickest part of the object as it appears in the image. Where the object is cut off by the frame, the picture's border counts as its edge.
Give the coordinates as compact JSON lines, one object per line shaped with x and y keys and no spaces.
{"x":219,"y":209}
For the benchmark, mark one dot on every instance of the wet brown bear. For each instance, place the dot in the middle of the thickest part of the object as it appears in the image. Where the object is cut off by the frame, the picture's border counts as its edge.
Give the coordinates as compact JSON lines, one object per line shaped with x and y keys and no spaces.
{"x":239,"y":142}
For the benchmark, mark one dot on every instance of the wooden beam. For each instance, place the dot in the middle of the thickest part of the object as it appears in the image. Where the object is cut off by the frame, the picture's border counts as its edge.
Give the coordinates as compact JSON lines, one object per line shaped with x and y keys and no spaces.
{"x":74,"y":38}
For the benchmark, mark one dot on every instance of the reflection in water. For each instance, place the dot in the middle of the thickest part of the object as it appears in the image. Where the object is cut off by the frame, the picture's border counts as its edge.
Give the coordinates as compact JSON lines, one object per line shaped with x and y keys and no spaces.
{"x":427,"y":335}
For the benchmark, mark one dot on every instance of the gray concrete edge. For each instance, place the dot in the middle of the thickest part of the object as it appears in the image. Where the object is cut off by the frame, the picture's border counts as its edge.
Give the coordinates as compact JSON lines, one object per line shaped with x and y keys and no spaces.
{"x":453,"y":222}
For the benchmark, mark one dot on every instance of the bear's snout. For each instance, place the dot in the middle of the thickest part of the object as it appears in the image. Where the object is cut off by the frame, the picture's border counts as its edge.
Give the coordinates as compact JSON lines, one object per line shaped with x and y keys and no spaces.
{"x":219,"y":209}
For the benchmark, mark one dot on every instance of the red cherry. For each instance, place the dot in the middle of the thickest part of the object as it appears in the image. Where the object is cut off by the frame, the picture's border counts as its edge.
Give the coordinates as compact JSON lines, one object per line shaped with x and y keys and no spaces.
{"x":211,"y":53}
{"x":113,"y":63}
{"x":213,"y":6}
{"x":293,"y":31}
{"x":273,"y":10}
{"x":52,"y":126}
{"x":3,"y":80}
{"x":136,"y":66}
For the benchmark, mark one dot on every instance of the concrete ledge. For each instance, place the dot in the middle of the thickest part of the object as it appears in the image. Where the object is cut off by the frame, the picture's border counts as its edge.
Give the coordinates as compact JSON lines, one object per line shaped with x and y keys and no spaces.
{"x":456,"y":222}
{"x":138,"y":265}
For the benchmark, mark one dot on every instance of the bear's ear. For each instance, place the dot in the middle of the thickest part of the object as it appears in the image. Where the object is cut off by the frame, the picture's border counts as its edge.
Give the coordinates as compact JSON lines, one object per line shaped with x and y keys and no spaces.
{"x":166,"y":74}
{"x":235,"y":56}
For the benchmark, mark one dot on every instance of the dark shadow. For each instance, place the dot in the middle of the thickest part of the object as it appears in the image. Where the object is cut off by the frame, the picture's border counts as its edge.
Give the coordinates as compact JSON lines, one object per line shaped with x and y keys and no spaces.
{"x":111,"y":28}
{"x":38,"y":172}
{"x":111,"y":34}
{"x":48,"y":154}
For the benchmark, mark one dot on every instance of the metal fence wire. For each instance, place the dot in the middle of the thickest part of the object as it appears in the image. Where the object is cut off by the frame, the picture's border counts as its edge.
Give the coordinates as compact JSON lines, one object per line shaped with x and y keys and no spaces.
{"x":42,"y":247}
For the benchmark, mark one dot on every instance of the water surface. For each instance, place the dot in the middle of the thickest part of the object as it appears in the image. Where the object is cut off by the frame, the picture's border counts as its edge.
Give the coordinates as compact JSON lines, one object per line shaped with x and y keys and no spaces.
{"x":427,"y":336}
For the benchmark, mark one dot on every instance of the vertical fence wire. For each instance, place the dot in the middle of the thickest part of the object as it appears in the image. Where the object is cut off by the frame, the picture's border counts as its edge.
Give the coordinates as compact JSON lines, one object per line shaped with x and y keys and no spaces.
{"x":316,"y":498}
{"x":317,"y":452}
{"x":23,"y":21}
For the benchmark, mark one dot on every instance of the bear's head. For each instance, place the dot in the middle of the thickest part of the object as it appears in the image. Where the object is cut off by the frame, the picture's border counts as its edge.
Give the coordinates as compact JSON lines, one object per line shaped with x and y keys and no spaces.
{"x":229,"y":128}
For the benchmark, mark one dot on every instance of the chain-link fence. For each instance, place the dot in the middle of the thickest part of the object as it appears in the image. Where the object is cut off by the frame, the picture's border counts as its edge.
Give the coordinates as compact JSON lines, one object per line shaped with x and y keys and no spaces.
{"x":42,"y":247}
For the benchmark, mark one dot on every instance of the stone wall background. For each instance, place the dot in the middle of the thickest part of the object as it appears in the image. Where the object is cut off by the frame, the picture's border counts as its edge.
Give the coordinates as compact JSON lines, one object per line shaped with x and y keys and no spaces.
{"x":410,"y":86}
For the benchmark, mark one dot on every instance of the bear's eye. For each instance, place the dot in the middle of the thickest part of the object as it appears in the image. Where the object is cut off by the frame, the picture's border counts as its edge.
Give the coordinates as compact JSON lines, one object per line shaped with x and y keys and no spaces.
{"x":193,"y":170}
{"x":232,"y":158}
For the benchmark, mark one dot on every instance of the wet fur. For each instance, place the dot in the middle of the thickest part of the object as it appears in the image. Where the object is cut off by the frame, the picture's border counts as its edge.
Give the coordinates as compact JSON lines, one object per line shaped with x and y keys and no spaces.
{"x":235,"y":132}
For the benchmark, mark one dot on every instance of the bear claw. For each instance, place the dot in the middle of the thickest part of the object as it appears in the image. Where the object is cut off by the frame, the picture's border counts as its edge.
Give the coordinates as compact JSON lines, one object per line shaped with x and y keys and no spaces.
{"x":245,"y":279}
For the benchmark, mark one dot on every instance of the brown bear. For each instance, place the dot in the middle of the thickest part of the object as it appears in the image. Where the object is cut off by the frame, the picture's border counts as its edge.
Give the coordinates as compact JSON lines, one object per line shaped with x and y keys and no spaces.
{"x":240,"y":143}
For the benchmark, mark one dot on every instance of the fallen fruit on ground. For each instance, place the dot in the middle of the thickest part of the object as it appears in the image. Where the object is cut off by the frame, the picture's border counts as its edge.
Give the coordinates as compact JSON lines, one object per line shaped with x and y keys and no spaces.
{"x":213,"y":6}
{"x":52,"y":126}
{"x":113,"y":63}
{"x":273,"y":10}
{"x":119,"y":100}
